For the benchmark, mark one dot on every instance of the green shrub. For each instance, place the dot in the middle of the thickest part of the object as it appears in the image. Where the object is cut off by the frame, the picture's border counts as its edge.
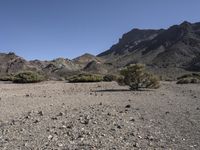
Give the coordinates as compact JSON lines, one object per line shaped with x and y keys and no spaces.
{"x":7,"y":78}
{"x":193,"y":75}
{"x":28,"y":77}
{"x":189,"y":78}
{"x":86,"y":78}
{"x":136,"y":77}
{"x":110,"y":77}
{"x":120,"y":81}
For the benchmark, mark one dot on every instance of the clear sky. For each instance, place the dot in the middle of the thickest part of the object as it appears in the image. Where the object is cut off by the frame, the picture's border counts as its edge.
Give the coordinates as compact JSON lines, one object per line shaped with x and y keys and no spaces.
{"x":46,"y":29}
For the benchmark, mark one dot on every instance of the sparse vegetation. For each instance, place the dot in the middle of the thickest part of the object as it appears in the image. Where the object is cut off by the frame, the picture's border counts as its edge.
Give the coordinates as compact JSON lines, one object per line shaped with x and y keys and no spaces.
{"x":136,"y":77}
{"x":110,"y":77}
{"x":85,"y":78}
{"x":189,"y":78}
{"x":28,"y":77}
{"x":7,"y":78}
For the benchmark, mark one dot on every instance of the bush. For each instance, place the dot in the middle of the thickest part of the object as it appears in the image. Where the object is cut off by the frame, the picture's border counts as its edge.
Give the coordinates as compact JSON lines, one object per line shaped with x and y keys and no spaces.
{"x":193,"y":75}
{"x":7,"y":78}
{"x":28,"y":77}
{"x":110,"y":77}
{"x":85,"y":78}
{"x":136,"y":77}
{"x":120,"y":81}
{"x":189,"y":78}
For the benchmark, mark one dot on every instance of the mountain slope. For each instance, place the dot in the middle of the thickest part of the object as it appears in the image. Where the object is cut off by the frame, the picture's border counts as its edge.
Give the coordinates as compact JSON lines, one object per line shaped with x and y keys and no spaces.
{"x":86,"y":58}
{"x":176,"y":47}
{"x":12,"y":64}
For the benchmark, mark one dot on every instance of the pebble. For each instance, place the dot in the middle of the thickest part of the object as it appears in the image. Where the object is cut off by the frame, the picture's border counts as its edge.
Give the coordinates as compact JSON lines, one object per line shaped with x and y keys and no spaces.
{"x":128,"y":106}
{"x":40,"y":113}
{"x":50,"y":137}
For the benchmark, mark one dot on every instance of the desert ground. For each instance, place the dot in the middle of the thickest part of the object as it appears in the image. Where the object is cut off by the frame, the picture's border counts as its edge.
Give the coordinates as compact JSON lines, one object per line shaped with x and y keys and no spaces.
{"x":74,"y":116}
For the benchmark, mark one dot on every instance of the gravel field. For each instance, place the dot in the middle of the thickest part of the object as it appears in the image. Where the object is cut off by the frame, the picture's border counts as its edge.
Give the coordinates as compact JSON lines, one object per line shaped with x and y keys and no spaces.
{"x":87,"y":116}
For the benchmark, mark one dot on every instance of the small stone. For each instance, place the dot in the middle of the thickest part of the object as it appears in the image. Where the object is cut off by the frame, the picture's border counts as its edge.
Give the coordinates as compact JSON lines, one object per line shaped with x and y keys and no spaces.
{"x":136,"y":145}
{"x":54,"y":118}
{"x":150,"y":144}
{"x":27,"y":95}
{"x":150,"y":138}
{"x":40,"y":113}
{"x":60,"y":144}
{"x":198,"y":108}
{"x":167,"y":112}
{"x":140,"y":137}
{"x":70,"y":126}
{"x":119,"y":127}
{"x":128,"y":106}
{"x":36,"y":121}
{"x":60,"y":114}
{"x":109,"y":114}
{"x":86,"y":121}
{"x":50,"y":137}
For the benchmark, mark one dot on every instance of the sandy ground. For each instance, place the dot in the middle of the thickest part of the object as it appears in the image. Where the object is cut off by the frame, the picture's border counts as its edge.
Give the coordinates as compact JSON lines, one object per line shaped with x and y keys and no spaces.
{"x":58,"y":115}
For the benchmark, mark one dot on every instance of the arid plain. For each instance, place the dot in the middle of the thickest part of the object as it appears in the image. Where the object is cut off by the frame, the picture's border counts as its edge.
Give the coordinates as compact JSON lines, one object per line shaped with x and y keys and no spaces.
{"x":60,"y":115}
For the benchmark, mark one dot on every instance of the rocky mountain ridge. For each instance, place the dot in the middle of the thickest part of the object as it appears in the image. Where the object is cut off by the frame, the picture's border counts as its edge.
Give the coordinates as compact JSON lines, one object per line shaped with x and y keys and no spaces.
{"x":166,"y":52}
{"x":179,"y":45}
{"x":176,"y":48}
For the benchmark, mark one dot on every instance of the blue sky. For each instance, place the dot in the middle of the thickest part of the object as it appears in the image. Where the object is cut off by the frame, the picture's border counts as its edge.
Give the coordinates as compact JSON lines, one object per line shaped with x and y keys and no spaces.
{"x":47,"y":29}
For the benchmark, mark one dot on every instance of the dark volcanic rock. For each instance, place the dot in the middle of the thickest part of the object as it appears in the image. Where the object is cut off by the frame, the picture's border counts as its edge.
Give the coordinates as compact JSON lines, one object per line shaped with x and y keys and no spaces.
{"x":171,"y":49}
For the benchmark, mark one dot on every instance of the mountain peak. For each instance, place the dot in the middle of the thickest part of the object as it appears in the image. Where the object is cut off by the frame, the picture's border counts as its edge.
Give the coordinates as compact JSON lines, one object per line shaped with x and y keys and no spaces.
{"x":179,"y":45}
{"x":186,"y":23}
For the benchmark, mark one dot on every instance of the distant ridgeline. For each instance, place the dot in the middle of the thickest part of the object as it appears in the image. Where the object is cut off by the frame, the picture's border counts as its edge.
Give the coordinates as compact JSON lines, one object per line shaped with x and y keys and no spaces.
{"x":166,"y":52}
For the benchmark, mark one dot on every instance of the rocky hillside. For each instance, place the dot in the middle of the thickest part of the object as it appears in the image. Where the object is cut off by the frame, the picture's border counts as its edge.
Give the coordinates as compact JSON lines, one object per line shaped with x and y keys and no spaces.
{"x":167,"y":52}
{"x":11,"y":64}
{"x":86,"y":58}
{"x":176,"y":48}
{"x":92,"y":64}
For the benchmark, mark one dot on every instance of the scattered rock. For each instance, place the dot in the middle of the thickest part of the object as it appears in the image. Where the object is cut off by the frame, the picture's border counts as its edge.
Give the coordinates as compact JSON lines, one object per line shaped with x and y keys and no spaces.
{"x":167,"y":112}
{"x":128,"y":106}
{"x":40,"y":113}
{"x":36,"y":121}
{"x":27,"y":95}
{"x":50,"y":137}
{"x":54,"y":118}
{"x":60,"y":114}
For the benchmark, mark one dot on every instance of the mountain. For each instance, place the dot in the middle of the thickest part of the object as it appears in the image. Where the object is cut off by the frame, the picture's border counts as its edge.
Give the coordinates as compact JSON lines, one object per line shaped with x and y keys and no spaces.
{"x":168,"y":53}
{"x":86,"y":58}
{"x":176,"y":48}
{"x":11,"y":64}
